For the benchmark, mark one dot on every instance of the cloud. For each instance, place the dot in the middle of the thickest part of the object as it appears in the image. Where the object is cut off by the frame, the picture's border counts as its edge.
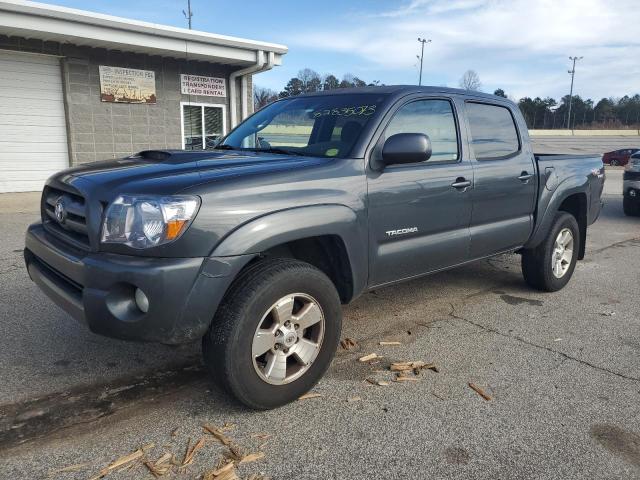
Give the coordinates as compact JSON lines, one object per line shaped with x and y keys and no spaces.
{"x":520,"y":45}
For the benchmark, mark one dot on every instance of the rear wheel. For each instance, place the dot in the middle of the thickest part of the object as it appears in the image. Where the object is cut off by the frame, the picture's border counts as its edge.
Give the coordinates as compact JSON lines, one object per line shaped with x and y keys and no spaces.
{"x":275,"y":333}
{"x":631,"y":207}
{"x":550,"y":265}
{"x":614,"y":163}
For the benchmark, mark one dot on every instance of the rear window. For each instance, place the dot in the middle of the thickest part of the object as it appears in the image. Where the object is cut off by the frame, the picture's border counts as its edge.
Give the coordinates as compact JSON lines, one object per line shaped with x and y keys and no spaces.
{"x":493,"y":131}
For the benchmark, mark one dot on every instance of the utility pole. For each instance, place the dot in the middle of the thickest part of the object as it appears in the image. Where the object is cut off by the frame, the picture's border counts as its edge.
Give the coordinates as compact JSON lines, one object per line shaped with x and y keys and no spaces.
{"x":188,"y":14}
{"x":572,"y":72}
{"x":422,"y":41}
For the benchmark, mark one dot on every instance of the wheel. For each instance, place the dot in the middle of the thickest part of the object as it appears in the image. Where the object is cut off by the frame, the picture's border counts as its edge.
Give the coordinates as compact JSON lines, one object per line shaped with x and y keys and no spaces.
{"x":614,"y":163}
{"x":275,"y":333}
{"x":631,"y":207}
{"x":550,"y":265}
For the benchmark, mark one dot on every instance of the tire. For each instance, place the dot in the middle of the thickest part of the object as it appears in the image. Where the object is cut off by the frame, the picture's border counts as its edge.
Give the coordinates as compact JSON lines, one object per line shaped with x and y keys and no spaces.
{"x":252,"y":302}
{"x":631,"y":207}
{"x":538,"y":263}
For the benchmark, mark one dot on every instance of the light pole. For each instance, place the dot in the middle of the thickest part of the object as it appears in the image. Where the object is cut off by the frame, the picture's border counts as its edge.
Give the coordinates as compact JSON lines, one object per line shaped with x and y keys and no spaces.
{"x":572,"y":72}
{"x":188,"y":14}
{"x":422,"y":41}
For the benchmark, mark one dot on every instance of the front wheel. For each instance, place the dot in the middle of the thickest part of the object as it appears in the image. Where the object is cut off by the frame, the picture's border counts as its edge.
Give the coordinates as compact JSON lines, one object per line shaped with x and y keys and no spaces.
{"x":275,"y":333}
{"x":631,"y":207}
{"x":550,"y":265}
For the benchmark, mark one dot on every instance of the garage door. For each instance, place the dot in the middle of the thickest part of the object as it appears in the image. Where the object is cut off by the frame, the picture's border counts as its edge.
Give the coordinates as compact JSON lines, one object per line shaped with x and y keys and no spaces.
{"x":33,"y":137}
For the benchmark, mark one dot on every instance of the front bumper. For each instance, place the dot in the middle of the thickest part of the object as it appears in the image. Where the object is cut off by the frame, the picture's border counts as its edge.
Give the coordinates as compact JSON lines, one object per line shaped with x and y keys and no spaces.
{"x":98,"y":288}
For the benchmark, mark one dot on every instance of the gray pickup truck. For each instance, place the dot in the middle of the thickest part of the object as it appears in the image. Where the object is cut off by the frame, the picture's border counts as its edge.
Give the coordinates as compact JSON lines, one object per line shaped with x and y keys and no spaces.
{"x":253,"y":246}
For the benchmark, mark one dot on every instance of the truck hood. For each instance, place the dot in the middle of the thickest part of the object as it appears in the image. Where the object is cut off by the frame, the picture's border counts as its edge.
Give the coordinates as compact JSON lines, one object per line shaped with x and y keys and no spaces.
{"x":169,"y":172}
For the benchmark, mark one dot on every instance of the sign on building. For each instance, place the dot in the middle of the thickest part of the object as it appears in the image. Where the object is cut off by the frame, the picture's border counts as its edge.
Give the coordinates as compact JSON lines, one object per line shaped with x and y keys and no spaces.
{"x":199,"y":85}
{"x":127,"y":85}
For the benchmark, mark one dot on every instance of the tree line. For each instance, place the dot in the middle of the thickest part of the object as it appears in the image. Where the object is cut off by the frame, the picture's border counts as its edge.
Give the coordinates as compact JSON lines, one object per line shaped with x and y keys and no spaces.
{"x":539,"y":113}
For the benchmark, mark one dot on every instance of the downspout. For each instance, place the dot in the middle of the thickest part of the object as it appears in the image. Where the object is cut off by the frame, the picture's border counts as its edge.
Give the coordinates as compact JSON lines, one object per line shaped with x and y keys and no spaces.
{"x":232,"y":86}
{"x":246,"y":95}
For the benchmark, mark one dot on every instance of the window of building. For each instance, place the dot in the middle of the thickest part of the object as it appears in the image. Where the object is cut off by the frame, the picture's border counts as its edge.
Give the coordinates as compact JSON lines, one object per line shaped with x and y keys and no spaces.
{"x":493,"y":131}
{"x":434,"y":118}
{"x":202,"y":126}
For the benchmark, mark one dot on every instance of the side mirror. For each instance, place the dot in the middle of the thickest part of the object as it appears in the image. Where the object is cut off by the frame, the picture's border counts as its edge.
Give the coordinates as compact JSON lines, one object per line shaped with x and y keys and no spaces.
{"x":406,"y":148}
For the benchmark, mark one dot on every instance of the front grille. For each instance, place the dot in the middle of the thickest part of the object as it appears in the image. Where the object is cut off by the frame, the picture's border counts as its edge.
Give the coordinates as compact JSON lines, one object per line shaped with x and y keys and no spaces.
{"x":73,"y":228}
{"x":628,"y":175}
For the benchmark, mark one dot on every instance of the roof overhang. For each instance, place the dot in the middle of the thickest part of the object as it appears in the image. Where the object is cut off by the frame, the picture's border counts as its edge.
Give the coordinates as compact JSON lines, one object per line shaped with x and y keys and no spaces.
{"x":78,"y":27}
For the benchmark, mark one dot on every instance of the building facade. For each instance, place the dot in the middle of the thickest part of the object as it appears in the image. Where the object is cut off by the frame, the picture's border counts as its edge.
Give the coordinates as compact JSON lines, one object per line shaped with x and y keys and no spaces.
{"x":77,"y":87}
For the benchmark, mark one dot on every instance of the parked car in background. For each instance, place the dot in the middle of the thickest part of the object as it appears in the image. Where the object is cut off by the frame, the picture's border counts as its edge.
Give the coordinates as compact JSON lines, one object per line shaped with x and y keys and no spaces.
{"x":619,"y":157}
{"x":631,"y":186}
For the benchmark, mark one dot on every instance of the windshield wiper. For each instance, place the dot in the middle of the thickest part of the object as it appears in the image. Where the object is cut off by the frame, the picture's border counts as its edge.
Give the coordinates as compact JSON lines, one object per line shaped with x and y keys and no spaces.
{"x":224,"y":147}
{"x":282,"y":151}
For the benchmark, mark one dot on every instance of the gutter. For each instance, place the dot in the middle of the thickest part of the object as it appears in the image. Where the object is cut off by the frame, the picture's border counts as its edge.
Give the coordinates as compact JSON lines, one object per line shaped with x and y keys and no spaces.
{"x":260,"y":66}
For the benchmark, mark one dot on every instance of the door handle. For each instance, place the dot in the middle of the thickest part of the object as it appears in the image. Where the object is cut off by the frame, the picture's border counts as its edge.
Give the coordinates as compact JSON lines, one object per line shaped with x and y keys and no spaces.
{"x":461,"y":183}
{"x":525,"y":177}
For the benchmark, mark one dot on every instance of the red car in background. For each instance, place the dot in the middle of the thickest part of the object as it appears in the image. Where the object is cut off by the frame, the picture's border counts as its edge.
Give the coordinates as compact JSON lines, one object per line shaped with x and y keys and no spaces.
{"x":619,"y":157}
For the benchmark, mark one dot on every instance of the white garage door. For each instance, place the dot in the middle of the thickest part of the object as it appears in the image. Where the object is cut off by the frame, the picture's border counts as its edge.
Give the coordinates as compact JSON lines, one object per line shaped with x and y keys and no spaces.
{"x":33,"y":136}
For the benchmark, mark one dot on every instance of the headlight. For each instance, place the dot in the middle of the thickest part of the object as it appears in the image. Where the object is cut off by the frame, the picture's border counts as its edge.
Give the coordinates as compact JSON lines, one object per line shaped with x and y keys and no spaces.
{"x":143,"y":221}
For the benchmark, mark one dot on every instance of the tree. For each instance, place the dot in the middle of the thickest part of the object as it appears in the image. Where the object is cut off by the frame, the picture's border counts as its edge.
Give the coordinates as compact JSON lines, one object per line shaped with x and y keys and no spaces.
{"x":294,"y":87}
{"x":263,"y":97}
{"x":330,"y":82}
{"x":470,"y":81}
{"x":310,"y":79}
{"x":500,"y":93}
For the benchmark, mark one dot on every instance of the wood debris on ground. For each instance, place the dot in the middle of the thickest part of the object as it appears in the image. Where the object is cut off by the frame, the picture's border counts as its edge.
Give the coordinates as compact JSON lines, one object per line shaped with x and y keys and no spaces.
{"x":309,"y":395}
{"x":218,"y":434}
{"x":348,"y":343}
{"x":261,"y":436}
{"x":404,"y":378}
{"x":70,"y":468}
{"x":227,"y":426}
{"x":120,"y":462}
{"x":369,"y":357}
{"x":161,"y":466}
{"x":354,"y":399}
{"x":479,"y":391}
{"x":227,"y":471}
{"x":192,"y":450}
{"x":380,"y":383}
{"x":390,"y":344}
{"x":416,"y":366}
{"x":251,"y":457}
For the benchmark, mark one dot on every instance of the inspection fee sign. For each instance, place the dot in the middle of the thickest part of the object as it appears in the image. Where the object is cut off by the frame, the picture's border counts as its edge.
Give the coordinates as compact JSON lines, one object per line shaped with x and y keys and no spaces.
{"x":199,"y":85}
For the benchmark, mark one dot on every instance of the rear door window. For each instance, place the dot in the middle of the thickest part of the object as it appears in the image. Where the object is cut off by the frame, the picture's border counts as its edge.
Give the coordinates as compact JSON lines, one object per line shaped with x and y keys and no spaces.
{"x":493,"y":131}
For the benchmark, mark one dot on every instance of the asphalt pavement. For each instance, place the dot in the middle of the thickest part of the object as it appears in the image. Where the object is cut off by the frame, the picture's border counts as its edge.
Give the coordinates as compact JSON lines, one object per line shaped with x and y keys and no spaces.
{"x":561,"y":372}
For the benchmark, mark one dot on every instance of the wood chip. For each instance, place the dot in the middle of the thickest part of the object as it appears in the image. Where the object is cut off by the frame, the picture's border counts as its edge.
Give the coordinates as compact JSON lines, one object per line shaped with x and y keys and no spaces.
{"x":227,"y":426}
{"x":368,"y":358}
{"x":132,"y":457}
{"x":261,"y":436}
{"x":160,"y":467}
{"x":348,"y":344}
{"x":309,"y":395}
{"x":404,"y":378}
{"x":191,"y":451}
{"x":225,"y":472}
{"x":415,"y":366}
{"x":252,"y":457}
{"x":380,"y":383}
{"x":479,"y":391}
{"x":174,"y":432}
{"x":389,"y":344}
{"x":218,"y":434}
{"x":354,"y":399}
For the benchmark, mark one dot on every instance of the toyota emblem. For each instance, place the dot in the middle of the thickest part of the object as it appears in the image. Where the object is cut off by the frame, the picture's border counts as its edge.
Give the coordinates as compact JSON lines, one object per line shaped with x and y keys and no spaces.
{"x":60,"y":211}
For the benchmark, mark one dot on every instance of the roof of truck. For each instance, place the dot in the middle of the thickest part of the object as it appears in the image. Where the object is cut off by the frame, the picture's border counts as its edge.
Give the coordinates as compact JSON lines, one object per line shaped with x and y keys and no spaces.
{"x":402,"y":90}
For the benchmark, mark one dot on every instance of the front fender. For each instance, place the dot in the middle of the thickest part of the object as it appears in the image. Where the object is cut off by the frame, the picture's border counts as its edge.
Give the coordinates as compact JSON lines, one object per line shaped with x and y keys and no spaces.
{"x":549,"y":203}
{"x":285,"y":226}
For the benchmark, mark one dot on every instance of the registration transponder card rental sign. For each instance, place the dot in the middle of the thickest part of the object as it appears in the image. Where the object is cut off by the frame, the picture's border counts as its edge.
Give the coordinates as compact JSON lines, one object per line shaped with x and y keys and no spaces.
{"x":199,"y":85}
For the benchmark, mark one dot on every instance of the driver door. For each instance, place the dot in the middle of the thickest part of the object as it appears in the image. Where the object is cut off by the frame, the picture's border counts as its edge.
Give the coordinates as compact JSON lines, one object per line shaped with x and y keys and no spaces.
{"x":419,"y":214}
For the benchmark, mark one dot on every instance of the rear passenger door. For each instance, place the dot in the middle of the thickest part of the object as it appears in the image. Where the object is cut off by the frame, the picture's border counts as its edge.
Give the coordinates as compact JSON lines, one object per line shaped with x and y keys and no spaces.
{"x":505,"y":181}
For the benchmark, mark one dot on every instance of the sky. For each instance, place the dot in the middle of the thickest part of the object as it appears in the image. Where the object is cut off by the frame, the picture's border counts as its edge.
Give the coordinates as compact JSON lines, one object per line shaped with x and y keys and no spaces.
{"x":521,"y":46}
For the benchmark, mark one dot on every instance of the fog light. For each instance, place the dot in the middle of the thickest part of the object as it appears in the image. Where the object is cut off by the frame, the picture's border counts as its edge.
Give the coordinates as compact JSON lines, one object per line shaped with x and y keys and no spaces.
{"x":142,"y":301}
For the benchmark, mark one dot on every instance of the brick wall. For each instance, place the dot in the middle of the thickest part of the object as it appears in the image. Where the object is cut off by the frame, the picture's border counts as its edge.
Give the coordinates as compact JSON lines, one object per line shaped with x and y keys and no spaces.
{"x":99,"y":130}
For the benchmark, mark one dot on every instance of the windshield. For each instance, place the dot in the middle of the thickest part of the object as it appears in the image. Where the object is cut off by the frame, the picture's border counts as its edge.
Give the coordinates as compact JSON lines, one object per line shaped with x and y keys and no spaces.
{"x":322,"y":126}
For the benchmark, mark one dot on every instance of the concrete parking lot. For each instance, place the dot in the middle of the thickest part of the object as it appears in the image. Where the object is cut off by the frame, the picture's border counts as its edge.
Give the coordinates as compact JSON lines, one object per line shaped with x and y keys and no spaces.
{"x":562,"y":372}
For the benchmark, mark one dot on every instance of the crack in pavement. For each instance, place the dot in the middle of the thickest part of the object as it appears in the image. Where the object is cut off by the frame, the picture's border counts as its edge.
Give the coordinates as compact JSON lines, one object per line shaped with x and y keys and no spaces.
{"x":566,"y":356}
